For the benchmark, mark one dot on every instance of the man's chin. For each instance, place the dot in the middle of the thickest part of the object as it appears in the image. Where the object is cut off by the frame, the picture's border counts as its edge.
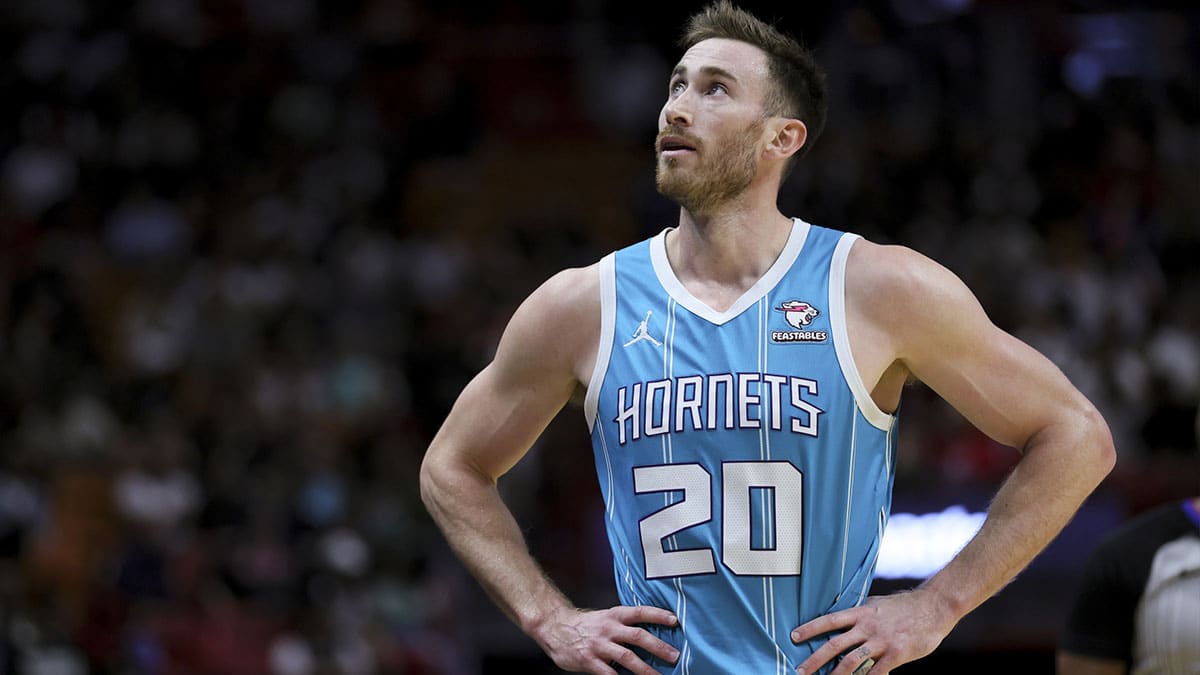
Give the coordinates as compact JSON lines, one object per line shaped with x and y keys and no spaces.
{"x":669,"y":188}
{"x":668,"y":163}
{"x":671,"y":177}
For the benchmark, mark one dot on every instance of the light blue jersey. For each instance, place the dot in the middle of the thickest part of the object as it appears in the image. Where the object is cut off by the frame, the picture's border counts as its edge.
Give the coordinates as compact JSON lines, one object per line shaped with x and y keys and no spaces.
{"x":746,"y":471}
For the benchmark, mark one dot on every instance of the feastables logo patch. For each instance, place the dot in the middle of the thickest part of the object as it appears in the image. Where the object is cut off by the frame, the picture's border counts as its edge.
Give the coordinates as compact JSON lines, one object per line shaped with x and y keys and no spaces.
{"x":799,"y":315}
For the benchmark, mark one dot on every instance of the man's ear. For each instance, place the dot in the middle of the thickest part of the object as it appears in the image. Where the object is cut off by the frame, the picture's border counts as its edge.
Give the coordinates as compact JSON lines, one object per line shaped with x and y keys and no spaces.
{"x":787,"y":137}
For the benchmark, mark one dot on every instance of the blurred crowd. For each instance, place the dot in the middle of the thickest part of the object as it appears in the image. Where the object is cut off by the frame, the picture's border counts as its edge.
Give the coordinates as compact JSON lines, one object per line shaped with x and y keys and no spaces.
{"x":251,"y":250}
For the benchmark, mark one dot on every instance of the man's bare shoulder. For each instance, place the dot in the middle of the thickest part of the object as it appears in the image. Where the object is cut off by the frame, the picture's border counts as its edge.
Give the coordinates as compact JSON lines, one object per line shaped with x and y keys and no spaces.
{"x":570,"y":297}
{"x":575,"y":286}
{"x":902,"y":308}
{"x":889,"y":268}
{"x":558,"y":325}
{"x":896,"y":284}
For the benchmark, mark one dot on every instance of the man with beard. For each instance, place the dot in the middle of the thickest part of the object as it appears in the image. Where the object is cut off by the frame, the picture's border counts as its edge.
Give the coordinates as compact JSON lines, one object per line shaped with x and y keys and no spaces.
{"x":742,"y":375}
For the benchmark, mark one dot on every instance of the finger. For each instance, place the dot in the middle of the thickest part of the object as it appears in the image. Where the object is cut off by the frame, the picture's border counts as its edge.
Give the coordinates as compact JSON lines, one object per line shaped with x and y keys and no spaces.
{"x":626,"y":657}
{"x":644,"y":614}
{"x":599,"y":667}
{"x":855,"y":665}
{"x":884,"y":665}
{"x":825,"y":624}
{"x":855,"y":660}
{"x":644,"y":639}
{"x":830,"y":649}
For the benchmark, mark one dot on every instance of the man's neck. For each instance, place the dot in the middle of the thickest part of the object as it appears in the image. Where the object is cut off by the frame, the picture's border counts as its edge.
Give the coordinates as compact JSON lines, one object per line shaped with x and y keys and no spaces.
{"x":731,"y":248}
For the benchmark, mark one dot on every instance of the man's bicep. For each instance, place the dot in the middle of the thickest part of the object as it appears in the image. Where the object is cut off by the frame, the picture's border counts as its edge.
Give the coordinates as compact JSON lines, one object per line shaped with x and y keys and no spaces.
{"x":496,"y":420}
{"x":1003,"y":386}
{"x":509,"y":403}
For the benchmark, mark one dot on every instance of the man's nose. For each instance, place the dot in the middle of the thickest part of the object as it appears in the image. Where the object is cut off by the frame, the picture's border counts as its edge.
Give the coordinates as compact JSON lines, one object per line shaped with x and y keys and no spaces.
{"x":677,"y":111}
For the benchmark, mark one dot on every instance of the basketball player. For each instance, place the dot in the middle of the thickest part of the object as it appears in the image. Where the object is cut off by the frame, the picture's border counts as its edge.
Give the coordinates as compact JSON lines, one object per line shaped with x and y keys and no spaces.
{"x":742,"y":374}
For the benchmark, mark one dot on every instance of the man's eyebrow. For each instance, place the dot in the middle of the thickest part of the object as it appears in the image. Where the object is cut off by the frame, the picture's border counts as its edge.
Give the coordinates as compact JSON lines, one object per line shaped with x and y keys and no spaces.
{"x":711,"y":71}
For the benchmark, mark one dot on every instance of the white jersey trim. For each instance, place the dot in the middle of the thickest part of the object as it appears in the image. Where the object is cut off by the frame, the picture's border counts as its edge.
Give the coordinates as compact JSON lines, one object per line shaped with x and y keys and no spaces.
{"x":675,"y":288}
{"x":841,"y":339}
{"x":608,"y":321}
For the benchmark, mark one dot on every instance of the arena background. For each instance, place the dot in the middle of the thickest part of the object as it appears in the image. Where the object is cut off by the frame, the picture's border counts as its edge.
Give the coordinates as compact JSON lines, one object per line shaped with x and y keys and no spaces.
{"x":251,"y":250}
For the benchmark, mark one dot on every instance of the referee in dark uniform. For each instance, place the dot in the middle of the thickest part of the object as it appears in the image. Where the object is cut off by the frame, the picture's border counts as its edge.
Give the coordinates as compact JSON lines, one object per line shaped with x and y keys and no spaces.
{"x":1138,"y":611}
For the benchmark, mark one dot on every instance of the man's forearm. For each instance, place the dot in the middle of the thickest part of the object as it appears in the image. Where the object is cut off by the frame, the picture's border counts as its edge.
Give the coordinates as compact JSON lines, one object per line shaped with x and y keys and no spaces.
{"x":1031,"y":508}
{"x":486,"y":537}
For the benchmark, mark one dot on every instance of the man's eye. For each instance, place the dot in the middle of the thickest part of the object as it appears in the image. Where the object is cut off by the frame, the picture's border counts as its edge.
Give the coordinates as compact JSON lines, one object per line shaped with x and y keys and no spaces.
{"x":717,"y":88}
{"x":677,"y":87}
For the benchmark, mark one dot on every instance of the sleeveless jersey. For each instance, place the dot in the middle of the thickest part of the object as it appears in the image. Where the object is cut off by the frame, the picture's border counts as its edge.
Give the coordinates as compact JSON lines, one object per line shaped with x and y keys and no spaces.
{"x":745,"y":470}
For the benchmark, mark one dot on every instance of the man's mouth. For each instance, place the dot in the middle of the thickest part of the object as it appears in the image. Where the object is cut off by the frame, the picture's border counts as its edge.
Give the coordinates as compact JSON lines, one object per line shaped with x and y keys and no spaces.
{"x":674,"y":146}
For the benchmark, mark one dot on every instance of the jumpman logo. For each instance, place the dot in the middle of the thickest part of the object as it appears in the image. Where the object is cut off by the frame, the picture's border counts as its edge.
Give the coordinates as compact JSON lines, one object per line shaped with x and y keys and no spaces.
{"x":643,"y":333}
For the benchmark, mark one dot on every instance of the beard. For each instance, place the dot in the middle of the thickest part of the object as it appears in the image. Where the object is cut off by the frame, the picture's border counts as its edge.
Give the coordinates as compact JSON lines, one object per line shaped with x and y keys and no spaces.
{"x":722,"y":175}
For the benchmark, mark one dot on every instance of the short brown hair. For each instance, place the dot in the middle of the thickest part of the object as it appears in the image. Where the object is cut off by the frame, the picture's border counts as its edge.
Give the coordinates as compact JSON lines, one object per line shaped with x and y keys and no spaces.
{"x":800,"y":82}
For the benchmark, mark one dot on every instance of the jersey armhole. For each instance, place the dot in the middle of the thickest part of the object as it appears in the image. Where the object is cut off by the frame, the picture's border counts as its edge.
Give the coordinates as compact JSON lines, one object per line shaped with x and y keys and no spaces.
{"x":608,"y":312}
{"x":841,"y":338}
